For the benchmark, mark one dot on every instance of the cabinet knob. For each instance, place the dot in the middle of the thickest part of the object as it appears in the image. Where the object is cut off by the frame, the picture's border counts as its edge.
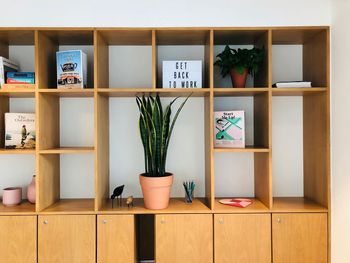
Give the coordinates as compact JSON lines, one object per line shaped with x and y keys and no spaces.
{"x":279,"y":220}
{"x":221,"y":221}
{"x":104,"y":221}
{"x":45,"y":222}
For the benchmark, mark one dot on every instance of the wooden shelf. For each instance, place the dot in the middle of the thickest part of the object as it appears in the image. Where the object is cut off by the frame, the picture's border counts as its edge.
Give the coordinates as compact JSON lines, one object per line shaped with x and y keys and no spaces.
{"x":18,"y":93}
{"x":25,"y":208}
{"x":295,"y":205}
{"x":238,"y":92}
{"x":246,"y":149}
{"x":132,"y":92}
{"x":256,"y":207}
{"x":73,"y":93}
{"x":71,"y":206}
{"x":17,"y":151}
{"x":68,"y":150}
{"x":176,"y":206}
{"x":296,"y":91}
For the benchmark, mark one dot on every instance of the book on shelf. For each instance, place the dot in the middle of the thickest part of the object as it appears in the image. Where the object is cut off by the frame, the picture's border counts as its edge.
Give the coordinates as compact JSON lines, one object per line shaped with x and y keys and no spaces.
{"x":229,"y":129}
{"x":6,"y":65}
{"x":20,"y":78}
{"x":292,"y":84}
{"x":20,"y":131}
{"x":71,"y":69}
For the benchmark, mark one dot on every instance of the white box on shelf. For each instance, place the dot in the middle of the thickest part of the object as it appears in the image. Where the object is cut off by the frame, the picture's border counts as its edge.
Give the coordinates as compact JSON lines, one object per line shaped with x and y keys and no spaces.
{"x":182,"y":74}
{"x":71,"y":69}
{"x":229,"y":129}
{"x":6,"y":65}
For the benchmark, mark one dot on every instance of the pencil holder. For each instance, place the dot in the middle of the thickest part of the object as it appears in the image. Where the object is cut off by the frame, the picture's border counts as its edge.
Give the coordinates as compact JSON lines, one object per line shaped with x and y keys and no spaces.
{"x":189,"y":189}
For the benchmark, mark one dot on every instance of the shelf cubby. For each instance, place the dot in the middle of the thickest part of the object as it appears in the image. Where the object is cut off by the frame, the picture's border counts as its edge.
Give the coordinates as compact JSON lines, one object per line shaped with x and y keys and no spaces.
{"x":17,"y":176}
{"x":256,"y":107}
{"x":53,"y":40}
{"x":116,"y":167}
{"x":246,"y":175}
{"x":118,"y":48}
{"x":302,"y":129}
{"x":177,"y":44}
{"x":64,"y":120}
{"x":67,"y":183}
{"x":242,"y":38}
{"x":301,"y":54}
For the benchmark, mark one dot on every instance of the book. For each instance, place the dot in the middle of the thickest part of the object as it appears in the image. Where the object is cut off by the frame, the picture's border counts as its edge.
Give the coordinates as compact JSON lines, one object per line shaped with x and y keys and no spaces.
{"x":6,"y":65}
{"x":229,"y":129}
{"x":71,"y":69}
{"x":292,"y":84}
{"x":20,"y":131}
{"x":20,"y":78}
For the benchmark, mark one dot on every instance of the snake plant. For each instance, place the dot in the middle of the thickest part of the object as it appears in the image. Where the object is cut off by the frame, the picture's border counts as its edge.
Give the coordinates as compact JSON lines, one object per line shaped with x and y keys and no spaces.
{"x":156,"y":128}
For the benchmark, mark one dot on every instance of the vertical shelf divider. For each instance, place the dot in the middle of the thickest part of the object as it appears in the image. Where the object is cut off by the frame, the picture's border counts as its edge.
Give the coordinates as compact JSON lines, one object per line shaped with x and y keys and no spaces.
{"x":101,"y":112}
{"x":209,"y":115}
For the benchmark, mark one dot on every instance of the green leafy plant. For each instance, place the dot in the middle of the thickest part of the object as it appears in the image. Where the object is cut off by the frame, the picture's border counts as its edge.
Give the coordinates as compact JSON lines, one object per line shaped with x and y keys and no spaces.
{"x":240,"y":60}
{"x":156,"y":128}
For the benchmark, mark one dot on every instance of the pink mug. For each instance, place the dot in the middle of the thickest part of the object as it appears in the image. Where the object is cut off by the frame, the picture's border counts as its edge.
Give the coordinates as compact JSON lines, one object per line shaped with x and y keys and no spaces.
{"x":12,"y":196}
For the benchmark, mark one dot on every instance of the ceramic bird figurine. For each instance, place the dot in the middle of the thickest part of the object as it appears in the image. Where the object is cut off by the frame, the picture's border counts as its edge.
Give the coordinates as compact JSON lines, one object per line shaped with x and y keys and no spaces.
{"x":117,"y":193}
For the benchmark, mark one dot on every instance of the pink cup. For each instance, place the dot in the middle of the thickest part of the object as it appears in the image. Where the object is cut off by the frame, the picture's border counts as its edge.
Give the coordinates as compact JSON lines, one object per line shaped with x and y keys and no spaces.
{"x":12,"y":196}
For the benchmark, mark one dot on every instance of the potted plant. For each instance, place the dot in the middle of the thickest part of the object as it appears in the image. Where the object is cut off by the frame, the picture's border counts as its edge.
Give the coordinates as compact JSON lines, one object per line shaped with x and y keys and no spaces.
{"x":156,"y":129}
{"x":239,"y":63}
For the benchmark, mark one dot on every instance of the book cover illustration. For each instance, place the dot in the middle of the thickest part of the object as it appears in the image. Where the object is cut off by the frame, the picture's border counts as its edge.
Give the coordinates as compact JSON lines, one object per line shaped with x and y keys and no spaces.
{"x":71,"y":69}
{"x":229,"y":129}
{"x":20,"y":131}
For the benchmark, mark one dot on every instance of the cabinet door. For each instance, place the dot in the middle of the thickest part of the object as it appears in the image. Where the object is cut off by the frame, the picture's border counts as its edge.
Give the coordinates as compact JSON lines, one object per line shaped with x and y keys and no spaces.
{"x":67,"y":238}
{"x":242,"y":238}
{"x":184,"y":238}
{"x":299,"y":238}
{"x":18,"y":239}
{"x":115,"y":239}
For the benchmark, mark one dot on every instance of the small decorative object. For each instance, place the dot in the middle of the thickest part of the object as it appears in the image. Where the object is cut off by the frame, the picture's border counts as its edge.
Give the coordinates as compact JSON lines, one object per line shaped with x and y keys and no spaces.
{"x":239,"y":63}
{"x":229,"y":129}
{"x":238,"y":202}
{"x":130,"y":201}
{"x":12,"y":196}
{"x":156,"y":128}
{"x":20,"y":131}
{"x":71,"y":69}
{"x":31,"y":191}
{"x":117,"y":193}
{"x":189,"y":189}
{"x":292,"y":84}
{"x":6,"y":65}
{"x":182,"y":74}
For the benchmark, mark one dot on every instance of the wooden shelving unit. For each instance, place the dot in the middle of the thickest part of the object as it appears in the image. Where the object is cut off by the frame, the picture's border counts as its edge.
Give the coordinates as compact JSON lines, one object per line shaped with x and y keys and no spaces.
{"x":316,"y":115}
{"x":48,"y":41}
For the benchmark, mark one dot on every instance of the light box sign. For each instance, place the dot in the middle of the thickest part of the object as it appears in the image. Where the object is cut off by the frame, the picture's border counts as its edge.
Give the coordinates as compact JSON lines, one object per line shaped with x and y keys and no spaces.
{"x":182,"y":74}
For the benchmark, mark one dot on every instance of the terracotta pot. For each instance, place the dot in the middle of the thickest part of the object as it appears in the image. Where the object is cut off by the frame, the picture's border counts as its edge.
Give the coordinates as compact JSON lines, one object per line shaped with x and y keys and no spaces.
{"x":238,"y":80}
{"x":31,"y":191}
{"x":156,"y":191}
{"x":12,"y":196}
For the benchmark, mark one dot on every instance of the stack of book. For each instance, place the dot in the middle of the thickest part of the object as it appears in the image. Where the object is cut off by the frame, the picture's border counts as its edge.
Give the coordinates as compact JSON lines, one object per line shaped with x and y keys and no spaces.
{"x":10,"y":77}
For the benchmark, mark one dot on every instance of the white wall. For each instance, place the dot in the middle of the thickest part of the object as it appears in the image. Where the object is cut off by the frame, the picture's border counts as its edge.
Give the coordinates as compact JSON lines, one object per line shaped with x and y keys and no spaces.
{"x":340,"y":132}
{"x":164,"y":13}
